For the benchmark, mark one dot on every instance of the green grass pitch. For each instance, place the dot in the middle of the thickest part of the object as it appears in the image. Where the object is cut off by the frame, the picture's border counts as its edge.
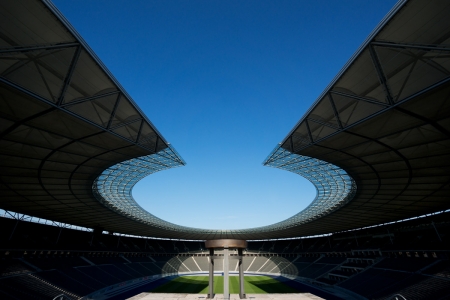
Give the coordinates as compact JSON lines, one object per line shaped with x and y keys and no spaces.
{"x":199,"y":284}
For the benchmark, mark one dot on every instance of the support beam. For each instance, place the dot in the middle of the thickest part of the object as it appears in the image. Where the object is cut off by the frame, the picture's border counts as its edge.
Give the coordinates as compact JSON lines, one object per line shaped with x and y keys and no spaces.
{"x":118,"y":242}
{"x":309,"y":131}
{"x":356,"y":98}
{"x":59,"y":234}
{"x":14,"y":229}
{"x":113,"y":113}
{"x":211,"y":274}
{"x":381,"y":77}
{"x":411,"y":46}
{"x":38,"y":47}
{"x":68,"y":77}
{"x":437,"y":232}
{"x":226,"y":275}
{"x":241,"y":275}
{"x":75,"y":102}
{"x":335,"y":111}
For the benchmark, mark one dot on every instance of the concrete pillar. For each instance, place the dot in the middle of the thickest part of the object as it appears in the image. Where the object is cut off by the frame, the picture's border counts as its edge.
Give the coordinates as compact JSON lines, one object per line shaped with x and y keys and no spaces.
{"x":211,"y":274}
{"x":226,"y":277}
{"x":241,"y":275}
{"x":225,"y":244}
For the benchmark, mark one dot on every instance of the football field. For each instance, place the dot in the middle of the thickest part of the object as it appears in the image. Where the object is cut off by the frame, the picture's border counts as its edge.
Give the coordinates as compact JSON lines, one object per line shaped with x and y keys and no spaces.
{"x":199,"y":285}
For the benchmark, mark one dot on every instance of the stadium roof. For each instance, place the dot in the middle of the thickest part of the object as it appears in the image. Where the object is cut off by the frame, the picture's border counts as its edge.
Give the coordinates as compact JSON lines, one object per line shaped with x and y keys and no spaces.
{"x":375,"y":143}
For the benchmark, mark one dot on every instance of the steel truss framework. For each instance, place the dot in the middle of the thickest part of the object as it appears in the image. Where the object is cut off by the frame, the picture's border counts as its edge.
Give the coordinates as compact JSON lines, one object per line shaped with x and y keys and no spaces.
{"x":73,"y":143}
{"x":334,"y":188}
{"x":64,"y":120}
{"x":385,"y":119}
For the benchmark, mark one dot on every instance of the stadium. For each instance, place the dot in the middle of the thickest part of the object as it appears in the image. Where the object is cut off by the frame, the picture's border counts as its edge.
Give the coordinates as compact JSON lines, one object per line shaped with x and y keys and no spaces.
{"x":375,"y":144}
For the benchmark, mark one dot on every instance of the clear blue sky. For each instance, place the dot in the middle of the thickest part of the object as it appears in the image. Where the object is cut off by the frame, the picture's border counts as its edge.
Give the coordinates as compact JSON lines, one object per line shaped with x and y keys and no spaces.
{"x":224,"y":82}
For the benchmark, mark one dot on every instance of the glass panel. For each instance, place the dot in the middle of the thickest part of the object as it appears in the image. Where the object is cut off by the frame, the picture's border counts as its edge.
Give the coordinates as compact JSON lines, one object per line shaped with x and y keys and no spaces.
{"x":334,"y":186}
{"x":113,"y":187}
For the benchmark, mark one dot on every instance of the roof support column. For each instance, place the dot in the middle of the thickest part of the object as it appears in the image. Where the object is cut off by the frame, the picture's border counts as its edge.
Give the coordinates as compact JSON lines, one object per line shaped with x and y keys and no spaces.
{"x":211,"y":274}
{"x":226,"y":275}
{"x":241,"y":275}
{"x":226,"y":244}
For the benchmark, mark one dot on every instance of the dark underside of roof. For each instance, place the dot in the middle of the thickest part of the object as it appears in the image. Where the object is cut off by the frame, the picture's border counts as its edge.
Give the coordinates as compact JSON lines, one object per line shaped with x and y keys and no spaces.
{"x":385,"y":120}
{"x":64,"y":120}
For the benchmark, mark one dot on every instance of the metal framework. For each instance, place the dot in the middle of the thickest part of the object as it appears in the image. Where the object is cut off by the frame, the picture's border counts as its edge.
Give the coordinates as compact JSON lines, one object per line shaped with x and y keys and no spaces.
{"x":375,"y":143}
{"x":65,"y":119}
{"x":114,"y":186}
{"x":384,"y":119}
{"x":334,"y":186}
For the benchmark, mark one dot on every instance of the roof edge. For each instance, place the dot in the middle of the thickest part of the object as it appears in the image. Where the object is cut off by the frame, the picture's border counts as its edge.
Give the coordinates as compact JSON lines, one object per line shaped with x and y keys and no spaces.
{"x":51,"y":6}
{"x":366,"y":42}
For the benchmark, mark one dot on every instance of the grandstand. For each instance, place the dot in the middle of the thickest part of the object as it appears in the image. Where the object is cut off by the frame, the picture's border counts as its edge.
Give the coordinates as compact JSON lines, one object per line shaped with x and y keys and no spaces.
{"x":375,"y":144}
{"x":410,"y":258}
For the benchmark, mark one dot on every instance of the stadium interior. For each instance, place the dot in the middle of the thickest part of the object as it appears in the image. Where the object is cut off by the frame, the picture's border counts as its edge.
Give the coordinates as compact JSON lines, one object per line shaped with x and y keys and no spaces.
{"x":375,"y":144}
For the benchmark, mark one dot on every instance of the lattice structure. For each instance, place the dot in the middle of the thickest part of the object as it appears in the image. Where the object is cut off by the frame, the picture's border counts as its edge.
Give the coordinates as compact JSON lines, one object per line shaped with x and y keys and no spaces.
{"x":334,"y":186}
{"x":114,"y":187}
